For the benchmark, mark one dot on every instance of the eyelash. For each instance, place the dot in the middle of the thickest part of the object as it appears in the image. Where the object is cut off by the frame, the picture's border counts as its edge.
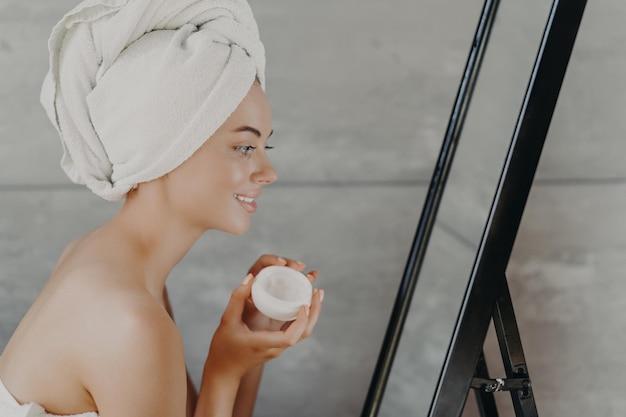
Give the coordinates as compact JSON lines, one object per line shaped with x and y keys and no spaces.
{"x":247,"y":150}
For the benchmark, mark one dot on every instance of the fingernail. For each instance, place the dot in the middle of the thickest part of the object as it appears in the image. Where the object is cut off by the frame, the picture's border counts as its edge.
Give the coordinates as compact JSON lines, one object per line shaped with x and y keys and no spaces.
{"x":321,"y":295}
{"x":281,"y":260}
{"x":306,"y":310}
{"x":247,"y":279}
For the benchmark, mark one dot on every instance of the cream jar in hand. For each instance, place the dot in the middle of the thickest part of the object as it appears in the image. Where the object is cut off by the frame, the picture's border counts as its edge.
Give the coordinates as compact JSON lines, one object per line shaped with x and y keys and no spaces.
{"x":280,"y":291}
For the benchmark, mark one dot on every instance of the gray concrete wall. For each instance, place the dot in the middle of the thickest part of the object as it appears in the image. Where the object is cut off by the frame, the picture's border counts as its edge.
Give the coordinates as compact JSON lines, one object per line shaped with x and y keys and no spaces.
{"x":361,"y":92}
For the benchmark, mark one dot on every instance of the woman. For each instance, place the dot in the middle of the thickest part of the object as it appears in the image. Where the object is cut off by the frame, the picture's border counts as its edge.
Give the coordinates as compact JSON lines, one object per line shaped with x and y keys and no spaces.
{"x":160,"y":103}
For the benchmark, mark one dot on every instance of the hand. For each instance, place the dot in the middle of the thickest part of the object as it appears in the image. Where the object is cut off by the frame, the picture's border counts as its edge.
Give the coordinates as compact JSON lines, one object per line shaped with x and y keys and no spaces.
{"x":235,"y":348}
{"x":253,"y":317}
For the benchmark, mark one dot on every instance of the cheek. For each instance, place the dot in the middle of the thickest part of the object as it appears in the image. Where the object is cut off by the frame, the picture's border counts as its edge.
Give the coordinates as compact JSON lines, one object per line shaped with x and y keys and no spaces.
{"x":228,"y":174}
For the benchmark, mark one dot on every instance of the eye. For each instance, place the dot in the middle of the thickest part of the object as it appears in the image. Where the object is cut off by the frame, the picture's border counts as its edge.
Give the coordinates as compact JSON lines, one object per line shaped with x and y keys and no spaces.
{"x":267,"y":148}
{"x":245,"y":150}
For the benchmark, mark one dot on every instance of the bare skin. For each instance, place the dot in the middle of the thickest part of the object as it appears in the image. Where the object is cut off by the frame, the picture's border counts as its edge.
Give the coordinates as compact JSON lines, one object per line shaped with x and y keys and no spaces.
{"x":101,"y":336}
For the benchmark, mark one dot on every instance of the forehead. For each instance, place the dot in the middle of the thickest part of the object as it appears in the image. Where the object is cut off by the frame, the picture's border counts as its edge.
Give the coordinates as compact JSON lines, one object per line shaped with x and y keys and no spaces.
{"x":254,"y":110}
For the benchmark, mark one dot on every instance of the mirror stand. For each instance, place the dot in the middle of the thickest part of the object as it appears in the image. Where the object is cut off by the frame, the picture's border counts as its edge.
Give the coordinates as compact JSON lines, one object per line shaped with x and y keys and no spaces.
{"x":487,"y":295}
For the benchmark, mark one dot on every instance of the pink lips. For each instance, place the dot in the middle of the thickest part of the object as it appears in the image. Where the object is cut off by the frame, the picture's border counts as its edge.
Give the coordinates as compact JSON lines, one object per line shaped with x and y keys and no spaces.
{"x":250,"y":205}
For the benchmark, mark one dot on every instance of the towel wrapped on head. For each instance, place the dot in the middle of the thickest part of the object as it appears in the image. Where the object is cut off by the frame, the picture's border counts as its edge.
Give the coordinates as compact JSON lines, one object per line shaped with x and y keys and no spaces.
{"x":135,"y":87}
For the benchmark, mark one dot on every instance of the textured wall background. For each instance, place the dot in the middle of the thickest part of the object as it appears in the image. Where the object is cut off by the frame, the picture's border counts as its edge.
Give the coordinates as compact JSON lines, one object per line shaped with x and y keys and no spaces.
{"x":361,"y":92}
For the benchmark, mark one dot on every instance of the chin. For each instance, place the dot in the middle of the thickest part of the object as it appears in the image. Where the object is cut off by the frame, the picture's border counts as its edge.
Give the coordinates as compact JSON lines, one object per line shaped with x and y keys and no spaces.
{"x":236,"y":229}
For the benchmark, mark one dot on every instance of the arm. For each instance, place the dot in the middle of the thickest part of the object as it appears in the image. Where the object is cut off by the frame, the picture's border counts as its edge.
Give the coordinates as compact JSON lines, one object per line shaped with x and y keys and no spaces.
{"x":247,"y":393}
{"x":233,"y":393}
{"x":219,"y":391}
{"x":224,"y":391}
{"x":249,"y":386}
{"x":233,"y":367}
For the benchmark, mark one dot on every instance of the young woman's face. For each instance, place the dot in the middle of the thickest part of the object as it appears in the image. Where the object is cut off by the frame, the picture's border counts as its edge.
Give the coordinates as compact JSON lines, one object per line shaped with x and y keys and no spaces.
{"x":217,"y":187}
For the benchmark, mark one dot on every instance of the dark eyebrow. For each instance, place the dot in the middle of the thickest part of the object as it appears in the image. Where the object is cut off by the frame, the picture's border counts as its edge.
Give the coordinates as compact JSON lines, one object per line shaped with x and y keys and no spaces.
{"x":250,"y":129}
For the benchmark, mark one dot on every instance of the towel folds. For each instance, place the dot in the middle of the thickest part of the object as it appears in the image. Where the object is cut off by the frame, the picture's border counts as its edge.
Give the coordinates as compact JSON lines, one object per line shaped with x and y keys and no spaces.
{"x":135,"y":87}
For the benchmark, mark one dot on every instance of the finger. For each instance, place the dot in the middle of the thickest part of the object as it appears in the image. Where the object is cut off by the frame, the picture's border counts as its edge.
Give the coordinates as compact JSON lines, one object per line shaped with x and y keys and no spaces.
{"x":316,"y":308}
{"x":234,"y":309}
{"x":297,"y":265}
{"x":266,"y":260}
{"x":312,"y":275}
{"x":269,"y":259}
{"x":266,"y":339}
{"x":298,"y":326}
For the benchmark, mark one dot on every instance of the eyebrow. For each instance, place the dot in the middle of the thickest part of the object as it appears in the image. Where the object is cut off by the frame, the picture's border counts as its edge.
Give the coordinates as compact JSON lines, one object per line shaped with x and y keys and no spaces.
{"x":252,"y":130}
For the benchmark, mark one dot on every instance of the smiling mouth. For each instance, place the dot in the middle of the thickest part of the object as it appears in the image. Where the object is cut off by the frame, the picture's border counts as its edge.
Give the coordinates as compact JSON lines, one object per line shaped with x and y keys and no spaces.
{"x":244,"y":199}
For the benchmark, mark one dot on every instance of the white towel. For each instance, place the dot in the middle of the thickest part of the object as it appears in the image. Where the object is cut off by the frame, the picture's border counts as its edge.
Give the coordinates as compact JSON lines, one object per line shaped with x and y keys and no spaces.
{"x":135,"y":87}
{"x":9,"y":407}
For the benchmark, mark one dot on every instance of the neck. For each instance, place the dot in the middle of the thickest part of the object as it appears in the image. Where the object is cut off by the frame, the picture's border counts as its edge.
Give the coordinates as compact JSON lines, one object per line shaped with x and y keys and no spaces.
{"x":156,"y":237}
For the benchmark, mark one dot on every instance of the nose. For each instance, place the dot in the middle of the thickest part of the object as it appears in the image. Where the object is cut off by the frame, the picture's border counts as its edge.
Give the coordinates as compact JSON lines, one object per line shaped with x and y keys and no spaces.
{"x":265,"y":173}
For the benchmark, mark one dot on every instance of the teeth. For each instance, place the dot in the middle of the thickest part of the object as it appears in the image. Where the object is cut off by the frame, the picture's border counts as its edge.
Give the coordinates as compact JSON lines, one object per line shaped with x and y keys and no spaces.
{"x":244,"y":199}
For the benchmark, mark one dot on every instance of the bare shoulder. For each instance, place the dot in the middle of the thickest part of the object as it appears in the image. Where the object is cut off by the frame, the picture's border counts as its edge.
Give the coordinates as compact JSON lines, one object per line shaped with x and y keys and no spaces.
{"x":94,"y":336}
{"x":135,"y":362}
{"x":114,"y":313}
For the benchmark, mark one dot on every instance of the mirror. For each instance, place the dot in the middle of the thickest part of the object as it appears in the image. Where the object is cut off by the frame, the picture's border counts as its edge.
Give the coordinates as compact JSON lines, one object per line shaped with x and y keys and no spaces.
{"x":463,"y":212}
